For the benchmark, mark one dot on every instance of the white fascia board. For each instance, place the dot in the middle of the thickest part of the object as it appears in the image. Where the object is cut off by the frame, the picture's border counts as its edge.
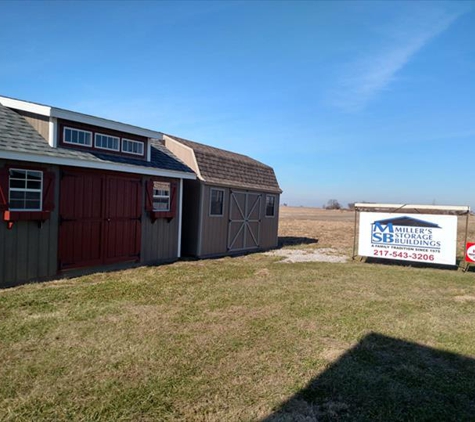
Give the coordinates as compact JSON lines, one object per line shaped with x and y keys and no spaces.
{"x":60,"y":113}
{"x":60,"y":161}
{"x":101,"y":122}
{"x":180,"y":216}
{"x":26,"y":106}
{"x":454,"y":208}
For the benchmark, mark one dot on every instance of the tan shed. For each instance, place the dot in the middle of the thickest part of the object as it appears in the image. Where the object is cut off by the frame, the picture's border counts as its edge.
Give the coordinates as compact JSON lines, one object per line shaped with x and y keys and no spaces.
{"x":232,"y":207}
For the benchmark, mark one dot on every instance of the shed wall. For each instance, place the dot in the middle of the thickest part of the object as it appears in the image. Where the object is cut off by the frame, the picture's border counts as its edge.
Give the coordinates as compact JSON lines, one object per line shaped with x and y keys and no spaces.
{"x":270,"y":225}
{"x":214,"y":230}
{"x":159,"y":237}
{"x":28,"y":251}
{"x":40,"y":123}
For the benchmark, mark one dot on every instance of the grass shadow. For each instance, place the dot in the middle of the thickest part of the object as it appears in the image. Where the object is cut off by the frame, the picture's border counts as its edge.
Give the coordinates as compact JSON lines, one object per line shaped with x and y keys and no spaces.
{"x":295,"y":241}
{"x":387,"y":379}
{"x":470,"y":268}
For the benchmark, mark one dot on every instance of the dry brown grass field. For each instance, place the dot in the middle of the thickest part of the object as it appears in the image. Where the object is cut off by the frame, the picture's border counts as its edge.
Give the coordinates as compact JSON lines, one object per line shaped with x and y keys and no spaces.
{"x":334,"y":228}
{"x":248,"y":338}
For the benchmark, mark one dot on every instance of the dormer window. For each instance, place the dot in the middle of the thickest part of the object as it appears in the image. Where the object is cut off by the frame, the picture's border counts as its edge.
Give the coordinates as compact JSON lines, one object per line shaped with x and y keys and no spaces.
{"x":77,"y":137}
{"x":132,"y":147}
{"x":97,"y":139}
{"x":107,"y":142}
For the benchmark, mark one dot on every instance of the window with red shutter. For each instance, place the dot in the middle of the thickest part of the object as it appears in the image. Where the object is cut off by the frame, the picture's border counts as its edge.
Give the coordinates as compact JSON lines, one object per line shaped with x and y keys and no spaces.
{"x":48,"y":191}
{"x":26,"y":194}
{"x":4,"y":176}
{"x":149,"y":196}
{"x":161,"y":198}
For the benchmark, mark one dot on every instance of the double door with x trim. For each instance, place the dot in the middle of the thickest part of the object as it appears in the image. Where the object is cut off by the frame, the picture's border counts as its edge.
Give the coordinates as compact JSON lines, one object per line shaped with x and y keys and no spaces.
{"x":244,"y":221}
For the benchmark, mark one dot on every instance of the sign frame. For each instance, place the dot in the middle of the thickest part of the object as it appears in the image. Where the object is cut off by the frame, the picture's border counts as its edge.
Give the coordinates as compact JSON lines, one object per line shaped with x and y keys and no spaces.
{"x":410,"y":211}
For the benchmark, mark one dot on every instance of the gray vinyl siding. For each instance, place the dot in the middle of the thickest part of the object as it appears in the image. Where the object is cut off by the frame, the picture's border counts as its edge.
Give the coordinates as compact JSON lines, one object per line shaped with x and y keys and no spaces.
{"x":40,"y":123}
{"x":27,"y":251}
{"x":159,"y":238}
{"x":214,"y":230}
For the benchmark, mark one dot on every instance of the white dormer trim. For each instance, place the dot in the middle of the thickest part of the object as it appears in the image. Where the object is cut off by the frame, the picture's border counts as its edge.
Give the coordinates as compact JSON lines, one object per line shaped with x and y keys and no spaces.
{"x":59,"y":113}
{"x":26,"y":106}
{"x":53,"y":132}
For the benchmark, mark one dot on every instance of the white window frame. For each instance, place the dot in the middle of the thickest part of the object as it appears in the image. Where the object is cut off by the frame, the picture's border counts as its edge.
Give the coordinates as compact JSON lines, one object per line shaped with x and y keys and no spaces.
{"x":210,"y":202}
{"x":40,"y":190}
{"x":96,"y":134}
{"x":169,"y":197}
{"x":133,"y":142}
{"x":77,"y":130}
{"x":273,"y":214}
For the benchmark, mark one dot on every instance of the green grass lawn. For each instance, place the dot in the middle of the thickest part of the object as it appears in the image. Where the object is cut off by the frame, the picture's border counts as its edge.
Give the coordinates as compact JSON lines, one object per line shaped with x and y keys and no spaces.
{"x":241,"y":339}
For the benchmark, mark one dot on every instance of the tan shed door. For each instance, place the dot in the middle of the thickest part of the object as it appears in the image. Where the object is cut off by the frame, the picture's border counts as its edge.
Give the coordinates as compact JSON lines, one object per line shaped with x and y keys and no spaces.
{"x":244,"y":221}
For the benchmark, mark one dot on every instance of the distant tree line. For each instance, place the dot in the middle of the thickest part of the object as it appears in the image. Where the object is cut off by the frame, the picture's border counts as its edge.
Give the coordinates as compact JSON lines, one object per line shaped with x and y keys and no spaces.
{"x":333,"y":204}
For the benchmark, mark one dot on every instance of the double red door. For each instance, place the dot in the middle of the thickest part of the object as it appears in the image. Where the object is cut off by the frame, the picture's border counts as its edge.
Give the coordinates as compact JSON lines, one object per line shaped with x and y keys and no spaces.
{"x":100,"y":219}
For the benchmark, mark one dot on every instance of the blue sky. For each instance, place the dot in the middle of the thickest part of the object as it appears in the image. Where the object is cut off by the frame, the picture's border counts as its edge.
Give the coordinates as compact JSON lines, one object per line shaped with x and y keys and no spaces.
{"x":357,"y":101}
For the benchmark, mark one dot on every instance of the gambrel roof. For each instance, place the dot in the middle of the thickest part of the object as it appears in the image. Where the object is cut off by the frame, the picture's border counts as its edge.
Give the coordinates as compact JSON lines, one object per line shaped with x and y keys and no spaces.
{"x":225,"y":168}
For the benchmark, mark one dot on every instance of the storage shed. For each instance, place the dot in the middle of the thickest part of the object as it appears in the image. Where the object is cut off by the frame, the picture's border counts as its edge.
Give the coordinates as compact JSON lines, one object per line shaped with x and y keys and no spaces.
{"x":81,"y":191}
{"x":232,"y":207}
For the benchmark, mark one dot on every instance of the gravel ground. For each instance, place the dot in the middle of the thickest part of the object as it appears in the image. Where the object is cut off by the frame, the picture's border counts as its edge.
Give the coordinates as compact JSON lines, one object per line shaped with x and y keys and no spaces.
{"x":301,"y":255}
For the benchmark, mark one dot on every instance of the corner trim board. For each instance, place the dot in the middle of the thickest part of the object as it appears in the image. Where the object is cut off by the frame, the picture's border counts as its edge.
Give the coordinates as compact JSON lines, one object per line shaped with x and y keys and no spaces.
{"x":180,"y":218}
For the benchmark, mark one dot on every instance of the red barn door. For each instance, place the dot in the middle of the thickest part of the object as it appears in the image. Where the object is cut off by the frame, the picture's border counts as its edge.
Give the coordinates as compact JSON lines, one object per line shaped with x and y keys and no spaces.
{"x":123,"y":206}
{"x":99,"y":219}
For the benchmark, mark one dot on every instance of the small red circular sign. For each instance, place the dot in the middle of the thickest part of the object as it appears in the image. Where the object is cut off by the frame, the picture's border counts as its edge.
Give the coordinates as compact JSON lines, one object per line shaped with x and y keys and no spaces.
{"x":470,"y":252}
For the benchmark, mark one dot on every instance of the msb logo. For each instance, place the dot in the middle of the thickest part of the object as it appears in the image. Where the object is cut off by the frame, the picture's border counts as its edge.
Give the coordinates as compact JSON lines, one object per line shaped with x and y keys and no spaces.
{"x":405,"y":231}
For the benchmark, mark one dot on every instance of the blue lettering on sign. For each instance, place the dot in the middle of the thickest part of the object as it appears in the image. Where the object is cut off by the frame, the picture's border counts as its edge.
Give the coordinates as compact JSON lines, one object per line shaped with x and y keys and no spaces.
{"x":378,"y":235}
{"x":378,"y":226}
{"x":385,"y":233}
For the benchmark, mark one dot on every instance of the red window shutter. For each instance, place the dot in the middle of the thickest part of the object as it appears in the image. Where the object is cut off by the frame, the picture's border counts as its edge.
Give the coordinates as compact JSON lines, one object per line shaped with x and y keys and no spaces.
{"x":173,"y":199}
{"x":149,"y":195}
{"x":48,"y":191}
{"x":4,"y":178}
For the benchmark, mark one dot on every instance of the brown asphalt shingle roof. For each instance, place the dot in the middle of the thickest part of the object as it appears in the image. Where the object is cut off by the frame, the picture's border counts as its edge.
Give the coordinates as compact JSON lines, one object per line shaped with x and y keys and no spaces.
{"x":231,"y":169}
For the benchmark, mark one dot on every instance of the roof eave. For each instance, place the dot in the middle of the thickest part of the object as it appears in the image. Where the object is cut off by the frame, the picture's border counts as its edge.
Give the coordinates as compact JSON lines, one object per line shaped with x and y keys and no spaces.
{"x":125,"y":168}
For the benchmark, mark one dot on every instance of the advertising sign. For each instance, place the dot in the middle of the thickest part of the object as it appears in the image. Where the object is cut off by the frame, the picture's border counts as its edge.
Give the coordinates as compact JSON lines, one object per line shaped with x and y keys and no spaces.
{"x":470,"y":252}
{"x":415,"y":237}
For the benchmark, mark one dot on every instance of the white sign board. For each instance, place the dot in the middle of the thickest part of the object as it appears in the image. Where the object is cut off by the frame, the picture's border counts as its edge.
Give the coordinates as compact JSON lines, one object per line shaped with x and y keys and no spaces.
{"x":408,"y":237}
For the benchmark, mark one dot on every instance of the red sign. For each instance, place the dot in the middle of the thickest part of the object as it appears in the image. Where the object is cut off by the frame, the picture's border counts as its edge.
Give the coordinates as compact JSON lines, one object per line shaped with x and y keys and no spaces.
{"x":470,"y":252}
